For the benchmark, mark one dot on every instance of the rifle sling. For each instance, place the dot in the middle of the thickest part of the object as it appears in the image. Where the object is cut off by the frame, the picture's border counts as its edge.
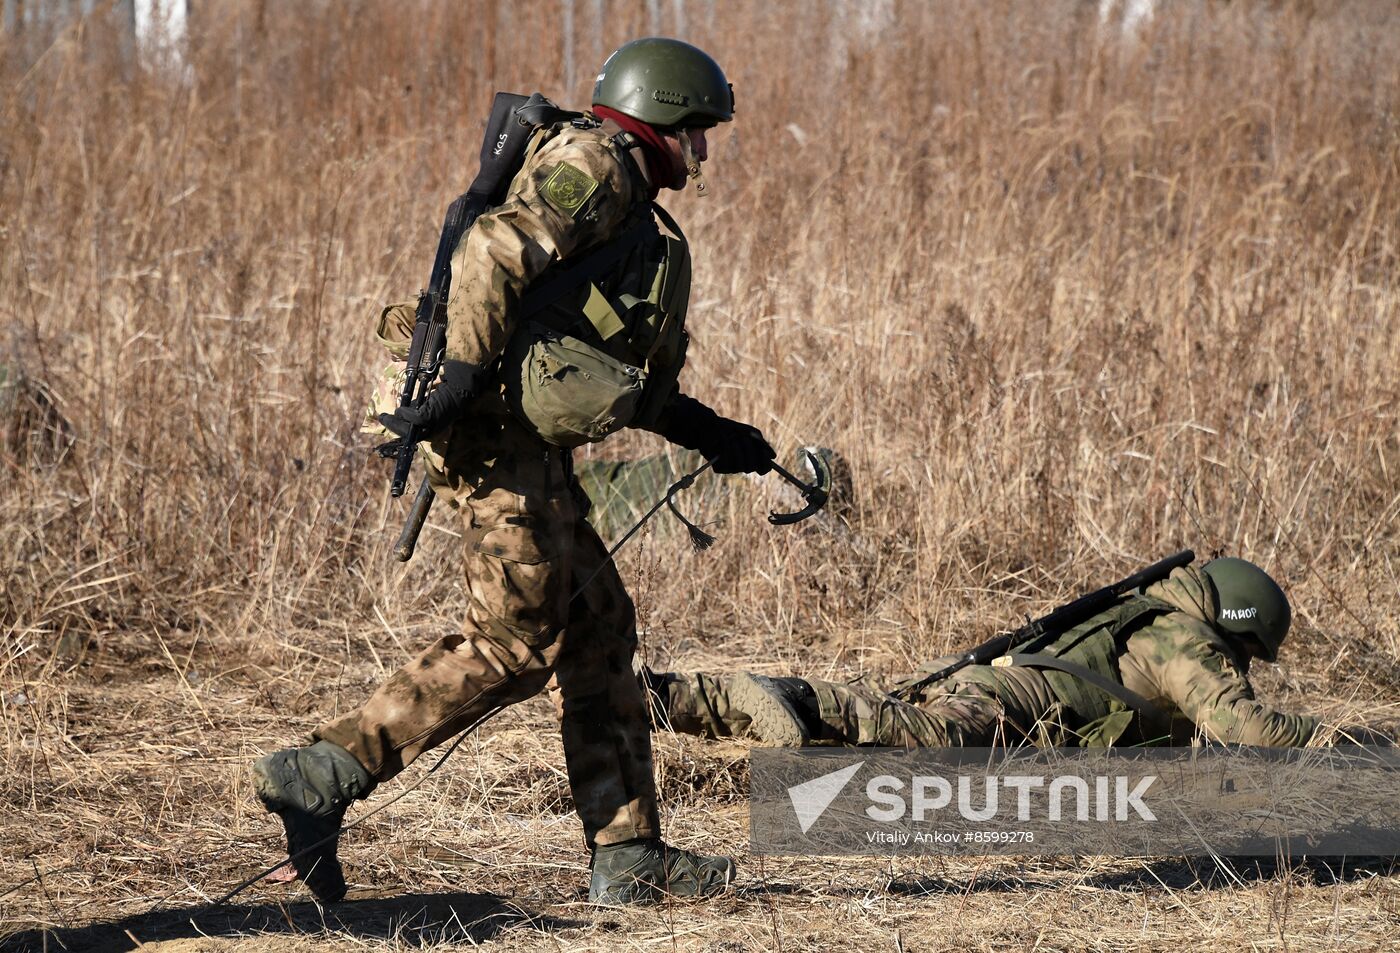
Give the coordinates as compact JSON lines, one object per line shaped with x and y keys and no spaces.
{"x":1114,"y":689}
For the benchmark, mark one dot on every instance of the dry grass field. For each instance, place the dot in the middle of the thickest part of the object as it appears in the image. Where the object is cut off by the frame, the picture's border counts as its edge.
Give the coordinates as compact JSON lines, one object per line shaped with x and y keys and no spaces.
{"x":1067,"y":300}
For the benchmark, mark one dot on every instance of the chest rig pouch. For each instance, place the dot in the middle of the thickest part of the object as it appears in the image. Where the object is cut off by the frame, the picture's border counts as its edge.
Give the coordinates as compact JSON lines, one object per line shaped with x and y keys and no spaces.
{"x":602,"y":340}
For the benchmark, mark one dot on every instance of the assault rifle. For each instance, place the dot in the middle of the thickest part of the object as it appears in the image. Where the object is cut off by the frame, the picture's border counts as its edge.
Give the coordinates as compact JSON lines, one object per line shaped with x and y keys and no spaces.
{"x":1055,"y":622}
{"x":513,"y":118}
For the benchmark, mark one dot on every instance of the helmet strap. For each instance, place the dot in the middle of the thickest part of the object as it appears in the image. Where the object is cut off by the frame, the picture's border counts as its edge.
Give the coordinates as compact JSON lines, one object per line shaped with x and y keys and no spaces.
{"x":692,"y":163}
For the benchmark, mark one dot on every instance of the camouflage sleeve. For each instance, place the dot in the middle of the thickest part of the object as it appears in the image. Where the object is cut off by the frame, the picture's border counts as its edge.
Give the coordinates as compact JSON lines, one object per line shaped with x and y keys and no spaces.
{"x":1204,"y":683}
{"x":571,"y":195}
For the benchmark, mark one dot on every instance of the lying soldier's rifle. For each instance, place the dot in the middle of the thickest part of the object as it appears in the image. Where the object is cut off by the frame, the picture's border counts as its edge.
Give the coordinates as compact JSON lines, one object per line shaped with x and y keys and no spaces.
{"x":1053,"y":623}
{"x":513,"y":118}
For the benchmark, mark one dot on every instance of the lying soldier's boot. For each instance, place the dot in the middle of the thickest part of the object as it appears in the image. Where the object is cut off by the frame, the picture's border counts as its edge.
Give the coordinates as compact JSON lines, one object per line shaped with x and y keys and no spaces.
{"x":309,"y":789}
{"x":648,"y":870}
{"x":656,"y":689}
{"x":776,"y":708}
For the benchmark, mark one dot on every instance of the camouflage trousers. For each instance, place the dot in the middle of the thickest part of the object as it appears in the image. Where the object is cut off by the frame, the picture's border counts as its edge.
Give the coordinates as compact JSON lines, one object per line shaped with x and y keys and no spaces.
{"x":850,"y":713}
{"x":527,"y":550}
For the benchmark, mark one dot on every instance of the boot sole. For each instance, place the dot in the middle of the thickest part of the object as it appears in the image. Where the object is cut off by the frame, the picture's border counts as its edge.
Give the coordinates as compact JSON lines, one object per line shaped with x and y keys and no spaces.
{"x":771,"y":719}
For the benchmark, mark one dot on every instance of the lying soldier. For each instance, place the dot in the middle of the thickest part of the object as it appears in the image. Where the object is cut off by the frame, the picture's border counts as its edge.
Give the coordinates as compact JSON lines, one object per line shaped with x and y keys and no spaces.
{"x":1168,"y":664}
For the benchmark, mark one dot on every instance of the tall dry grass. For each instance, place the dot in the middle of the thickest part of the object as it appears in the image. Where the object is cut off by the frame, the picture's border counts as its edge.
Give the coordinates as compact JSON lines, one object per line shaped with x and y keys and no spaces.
{"x":1067,"y":301}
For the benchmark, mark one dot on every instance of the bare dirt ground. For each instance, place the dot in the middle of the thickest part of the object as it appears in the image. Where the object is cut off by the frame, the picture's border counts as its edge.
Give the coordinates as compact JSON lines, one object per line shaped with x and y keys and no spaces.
{"x":143,"y":781}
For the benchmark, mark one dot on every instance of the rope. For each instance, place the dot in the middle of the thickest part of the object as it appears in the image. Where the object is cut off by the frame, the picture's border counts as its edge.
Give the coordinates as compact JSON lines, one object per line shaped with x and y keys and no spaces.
{"x":684,"y":483}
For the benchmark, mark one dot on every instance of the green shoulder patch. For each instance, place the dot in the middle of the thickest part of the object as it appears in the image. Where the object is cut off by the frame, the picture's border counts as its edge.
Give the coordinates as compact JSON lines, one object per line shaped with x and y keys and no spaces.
{"x":568,"y":188}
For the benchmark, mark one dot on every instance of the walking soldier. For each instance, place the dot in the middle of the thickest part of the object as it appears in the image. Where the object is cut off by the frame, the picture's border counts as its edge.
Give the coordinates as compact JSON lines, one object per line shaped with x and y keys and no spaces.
{"x":565,"y":323}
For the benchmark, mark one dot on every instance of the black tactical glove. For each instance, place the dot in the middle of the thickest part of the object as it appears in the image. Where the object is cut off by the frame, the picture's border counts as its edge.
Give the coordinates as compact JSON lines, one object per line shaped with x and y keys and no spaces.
{"x":730,"y":446}
{"x":457,"y":385}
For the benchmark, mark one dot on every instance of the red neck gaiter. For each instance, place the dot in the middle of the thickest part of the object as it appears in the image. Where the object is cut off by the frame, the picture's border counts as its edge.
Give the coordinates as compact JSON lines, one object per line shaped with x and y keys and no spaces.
{"x":665,"y":169}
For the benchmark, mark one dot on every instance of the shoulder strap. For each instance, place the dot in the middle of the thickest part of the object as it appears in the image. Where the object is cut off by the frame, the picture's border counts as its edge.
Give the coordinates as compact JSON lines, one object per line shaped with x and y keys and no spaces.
{"x":593,"y":265}
{"x":1140,"y":605}
{"x":1124,"y":615}
{"x":538,"y":111}
{"x":668,"y":221}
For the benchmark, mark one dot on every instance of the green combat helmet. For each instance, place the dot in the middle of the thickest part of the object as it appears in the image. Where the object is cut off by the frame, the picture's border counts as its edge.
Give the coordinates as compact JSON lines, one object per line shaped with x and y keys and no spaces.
{"x":665,"y":83}
{"x":1252,"y":606}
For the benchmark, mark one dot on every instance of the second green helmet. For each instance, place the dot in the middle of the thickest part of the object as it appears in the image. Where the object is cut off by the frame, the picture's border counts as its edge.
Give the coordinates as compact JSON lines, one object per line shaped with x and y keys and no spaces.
{"x":665,"y":82}
{"x":1250,"y":604}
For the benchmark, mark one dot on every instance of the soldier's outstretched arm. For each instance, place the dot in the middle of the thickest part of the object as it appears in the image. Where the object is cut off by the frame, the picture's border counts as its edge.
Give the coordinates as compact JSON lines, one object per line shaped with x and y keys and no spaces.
{"x":731,"y":446}
{"x":1205,"y":684}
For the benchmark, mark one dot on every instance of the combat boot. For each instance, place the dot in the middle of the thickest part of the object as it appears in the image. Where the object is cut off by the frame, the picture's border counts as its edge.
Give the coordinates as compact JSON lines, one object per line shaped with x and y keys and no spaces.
{"x":777,"y":708}
{"x":648,"y":870}
{"x":656,"y":689}
{"x":309,"y":789}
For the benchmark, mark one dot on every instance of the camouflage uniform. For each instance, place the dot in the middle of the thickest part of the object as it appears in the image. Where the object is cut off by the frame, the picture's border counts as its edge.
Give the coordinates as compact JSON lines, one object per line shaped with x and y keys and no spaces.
{"x":622,"y":490}
{"x":528,"y":546}
{"x":1167,"y":652}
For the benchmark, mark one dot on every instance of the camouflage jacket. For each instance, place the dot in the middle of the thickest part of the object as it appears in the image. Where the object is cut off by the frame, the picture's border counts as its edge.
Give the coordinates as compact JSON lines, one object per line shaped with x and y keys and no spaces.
{"x":1176,"y":660}
{"x":576,"y":192}
{"x":1182,"y":664}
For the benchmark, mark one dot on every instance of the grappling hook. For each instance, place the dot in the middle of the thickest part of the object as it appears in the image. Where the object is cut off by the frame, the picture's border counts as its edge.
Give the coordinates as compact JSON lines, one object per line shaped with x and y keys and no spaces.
{"x":816,"y":493}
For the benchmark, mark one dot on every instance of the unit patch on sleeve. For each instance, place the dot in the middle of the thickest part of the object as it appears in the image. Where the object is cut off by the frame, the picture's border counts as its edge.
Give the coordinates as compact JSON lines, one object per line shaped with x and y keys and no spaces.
{"x":568,"y":188}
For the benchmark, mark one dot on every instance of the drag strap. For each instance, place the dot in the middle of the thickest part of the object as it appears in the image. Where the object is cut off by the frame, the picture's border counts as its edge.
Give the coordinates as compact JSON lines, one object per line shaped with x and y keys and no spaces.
{"x":1111,"y":688}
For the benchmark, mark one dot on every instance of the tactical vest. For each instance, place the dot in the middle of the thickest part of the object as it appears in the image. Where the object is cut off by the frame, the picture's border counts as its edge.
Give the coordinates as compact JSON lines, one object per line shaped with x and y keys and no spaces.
{"x":601,"y":340}
{"x":1095,"y":643}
